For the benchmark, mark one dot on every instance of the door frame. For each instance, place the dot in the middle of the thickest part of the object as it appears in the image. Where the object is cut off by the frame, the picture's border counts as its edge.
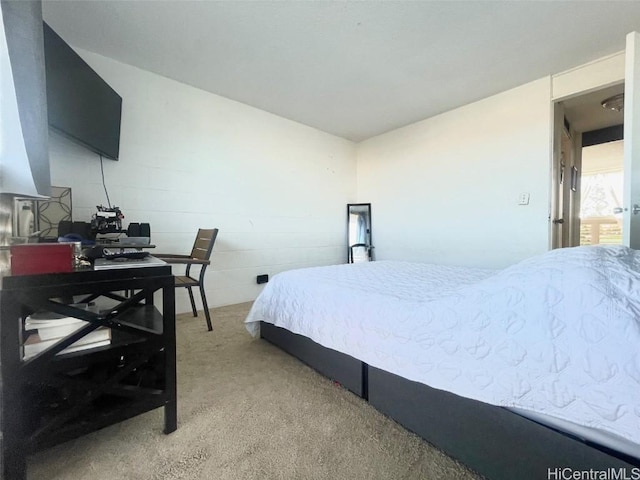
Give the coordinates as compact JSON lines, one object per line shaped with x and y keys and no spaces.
{"x":630,"y":214}
{"x":585,"y":79}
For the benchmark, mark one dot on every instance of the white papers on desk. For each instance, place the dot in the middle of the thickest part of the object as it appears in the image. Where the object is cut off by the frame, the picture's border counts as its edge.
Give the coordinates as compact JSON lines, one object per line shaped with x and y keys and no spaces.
{"x":104,"y":264}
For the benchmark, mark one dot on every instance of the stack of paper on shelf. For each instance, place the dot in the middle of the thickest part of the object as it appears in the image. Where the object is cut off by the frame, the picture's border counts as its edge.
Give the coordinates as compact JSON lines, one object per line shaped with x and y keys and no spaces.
{"x":47,"y":328}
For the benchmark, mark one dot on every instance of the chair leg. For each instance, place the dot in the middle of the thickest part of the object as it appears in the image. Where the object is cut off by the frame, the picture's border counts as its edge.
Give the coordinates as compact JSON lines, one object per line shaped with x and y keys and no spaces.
{"x":206,"y":308}
{"x":193,"y":302}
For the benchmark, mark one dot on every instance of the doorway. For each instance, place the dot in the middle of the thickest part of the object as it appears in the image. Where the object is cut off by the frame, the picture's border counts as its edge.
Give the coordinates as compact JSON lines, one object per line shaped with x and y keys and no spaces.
{"x":587,"y":173}
{"x":602,"y":183}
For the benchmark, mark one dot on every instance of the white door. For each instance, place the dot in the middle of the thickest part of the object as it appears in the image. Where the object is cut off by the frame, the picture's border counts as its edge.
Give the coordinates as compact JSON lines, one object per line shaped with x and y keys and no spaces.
{"x":631,"y":211}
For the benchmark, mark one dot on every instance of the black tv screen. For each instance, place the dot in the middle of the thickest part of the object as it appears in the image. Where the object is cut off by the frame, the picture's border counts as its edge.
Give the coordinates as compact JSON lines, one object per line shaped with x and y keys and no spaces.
{"x":81,"y":105}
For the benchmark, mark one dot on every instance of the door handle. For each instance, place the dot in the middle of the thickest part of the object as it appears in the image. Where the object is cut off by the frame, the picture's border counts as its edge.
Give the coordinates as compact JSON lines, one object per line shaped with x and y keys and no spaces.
{"x":558,"y":221}
{"x":635,"y":209}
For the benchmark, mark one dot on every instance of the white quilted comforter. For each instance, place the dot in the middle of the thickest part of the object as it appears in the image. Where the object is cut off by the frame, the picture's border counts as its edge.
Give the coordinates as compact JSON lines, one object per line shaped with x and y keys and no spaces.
{"x":557,"y":334}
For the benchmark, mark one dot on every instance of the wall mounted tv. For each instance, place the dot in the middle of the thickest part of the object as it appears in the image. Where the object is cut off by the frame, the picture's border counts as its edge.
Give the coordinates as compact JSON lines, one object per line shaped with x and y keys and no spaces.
{"x":81,"y":105}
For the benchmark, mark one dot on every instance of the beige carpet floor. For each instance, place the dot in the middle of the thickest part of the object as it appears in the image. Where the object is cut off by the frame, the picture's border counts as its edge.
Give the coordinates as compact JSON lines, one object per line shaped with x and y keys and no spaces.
{"x":247,"y":410}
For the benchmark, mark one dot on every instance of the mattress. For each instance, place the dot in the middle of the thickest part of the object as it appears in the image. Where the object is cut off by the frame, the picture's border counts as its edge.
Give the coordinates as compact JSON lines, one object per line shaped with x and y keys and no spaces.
{"x":556,"y":334}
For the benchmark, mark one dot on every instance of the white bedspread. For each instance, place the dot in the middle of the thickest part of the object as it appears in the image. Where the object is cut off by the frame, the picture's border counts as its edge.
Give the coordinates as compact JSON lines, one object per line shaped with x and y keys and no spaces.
{"x":557,"y":334}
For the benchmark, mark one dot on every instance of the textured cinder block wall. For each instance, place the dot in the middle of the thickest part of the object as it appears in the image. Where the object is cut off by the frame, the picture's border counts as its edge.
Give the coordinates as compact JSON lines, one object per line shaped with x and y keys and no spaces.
{"x":276,"y":189}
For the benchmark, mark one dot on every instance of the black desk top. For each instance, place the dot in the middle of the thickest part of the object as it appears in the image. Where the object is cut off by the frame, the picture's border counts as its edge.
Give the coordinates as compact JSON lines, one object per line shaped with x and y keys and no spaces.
{"x":81,"y":275}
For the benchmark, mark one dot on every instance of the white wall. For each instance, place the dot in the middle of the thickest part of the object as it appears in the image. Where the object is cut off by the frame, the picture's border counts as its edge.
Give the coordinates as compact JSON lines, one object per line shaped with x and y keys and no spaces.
{"x":276,"y":189}
{"x":445,"y":190}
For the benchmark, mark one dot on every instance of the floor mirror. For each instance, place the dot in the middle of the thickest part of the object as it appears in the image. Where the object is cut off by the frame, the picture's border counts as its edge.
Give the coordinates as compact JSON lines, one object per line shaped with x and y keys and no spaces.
{"x":359,"y":243}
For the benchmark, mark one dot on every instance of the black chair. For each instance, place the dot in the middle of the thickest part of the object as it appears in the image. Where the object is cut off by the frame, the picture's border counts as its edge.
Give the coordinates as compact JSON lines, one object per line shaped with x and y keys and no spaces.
{"x":200,"y":254}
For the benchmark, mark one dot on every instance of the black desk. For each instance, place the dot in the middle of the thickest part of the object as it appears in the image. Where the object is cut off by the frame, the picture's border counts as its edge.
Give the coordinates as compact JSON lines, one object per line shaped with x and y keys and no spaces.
{"x":49,"y":398}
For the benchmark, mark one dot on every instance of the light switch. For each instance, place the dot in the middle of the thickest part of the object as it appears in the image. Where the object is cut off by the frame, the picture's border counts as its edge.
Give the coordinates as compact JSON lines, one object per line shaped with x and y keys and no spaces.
{"x":523,"y":198}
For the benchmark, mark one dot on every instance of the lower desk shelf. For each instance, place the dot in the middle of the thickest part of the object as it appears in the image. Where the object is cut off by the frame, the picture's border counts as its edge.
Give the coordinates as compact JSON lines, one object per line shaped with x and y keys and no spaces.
{"x":77,"y":400}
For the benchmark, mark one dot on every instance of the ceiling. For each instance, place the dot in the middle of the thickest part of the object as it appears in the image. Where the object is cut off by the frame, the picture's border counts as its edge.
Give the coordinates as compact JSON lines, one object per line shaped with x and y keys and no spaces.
{"x":355,"y":69}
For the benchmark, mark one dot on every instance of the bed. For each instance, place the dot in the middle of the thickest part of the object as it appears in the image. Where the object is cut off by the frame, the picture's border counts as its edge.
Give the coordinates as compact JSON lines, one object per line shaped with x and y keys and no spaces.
{"x":540,"y":357}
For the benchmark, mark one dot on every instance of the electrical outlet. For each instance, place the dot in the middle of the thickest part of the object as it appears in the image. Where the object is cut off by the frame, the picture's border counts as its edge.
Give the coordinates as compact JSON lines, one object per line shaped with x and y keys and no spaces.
{"x":523,"y":198}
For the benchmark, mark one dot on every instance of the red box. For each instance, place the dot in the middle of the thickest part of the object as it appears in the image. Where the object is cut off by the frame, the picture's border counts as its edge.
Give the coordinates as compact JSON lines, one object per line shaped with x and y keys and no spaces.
{"x":33,"y":258}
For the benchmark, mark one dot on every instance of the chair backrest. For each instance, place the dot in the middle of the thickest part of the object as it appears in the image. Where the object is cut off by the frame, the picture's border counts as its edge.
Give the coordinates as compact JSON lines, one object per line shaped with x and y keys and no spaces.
{"x":203,"y":245}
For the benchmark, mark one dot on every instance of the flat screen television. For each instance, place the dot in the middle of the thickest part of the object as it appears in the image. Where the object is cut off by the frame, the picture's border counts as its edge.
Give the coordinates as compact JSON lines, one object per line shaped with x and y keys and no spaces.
{"x":81,"y":105}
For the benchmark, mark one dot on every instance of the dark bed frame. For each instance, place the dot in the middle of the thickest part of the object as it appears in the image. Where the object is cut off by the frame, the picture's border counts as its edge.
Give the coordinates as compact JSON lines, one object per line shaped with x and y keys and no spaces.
{"x":490,"y":440}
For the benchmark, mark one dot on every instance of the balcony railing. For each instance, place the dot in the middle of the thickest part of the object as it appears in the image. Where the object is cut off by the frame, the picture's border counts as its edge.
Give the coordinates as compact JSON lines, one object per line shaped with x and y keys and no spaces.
{"x":600,"y":230}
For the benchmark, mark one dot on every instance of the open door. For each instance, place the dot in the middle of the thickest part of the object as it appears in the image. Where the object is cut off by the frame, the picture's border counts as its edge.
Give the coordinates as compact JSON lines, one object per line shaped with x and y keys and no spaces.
{"x":556,"y":216}
{"x":631,"y":209}
{"x":566,"y":167}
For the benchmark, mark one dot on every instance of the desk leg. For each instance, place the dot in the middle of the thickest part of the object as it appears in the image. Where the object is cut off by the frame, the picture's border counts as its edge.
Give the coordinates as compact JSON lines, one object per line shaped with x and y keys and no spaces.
{"x":13,"y":459}
{"x":169,"y":319}
{"x":14,"y":463}
{"x":170,"y":416}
